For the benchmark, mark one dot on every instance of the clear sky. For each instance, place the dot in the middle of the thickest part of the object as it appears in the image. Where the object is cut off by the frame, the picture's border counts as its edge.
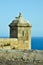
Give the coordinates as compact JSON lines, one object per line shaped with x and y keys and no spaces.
{"x":32,"y":10}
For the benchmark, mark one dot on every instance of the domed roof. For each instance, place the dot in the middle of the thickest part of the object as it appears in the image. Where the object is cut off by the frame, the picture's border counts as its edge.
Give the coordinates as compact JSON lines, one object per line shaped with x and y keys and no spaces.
{"x":20,"y":21}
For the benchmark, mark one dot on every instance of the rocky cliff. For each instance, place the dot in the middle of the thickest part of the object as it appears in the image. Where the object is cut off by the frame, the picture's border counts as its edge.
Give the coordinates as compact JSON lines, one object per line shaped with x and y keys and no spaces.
{"x":21,"y":57}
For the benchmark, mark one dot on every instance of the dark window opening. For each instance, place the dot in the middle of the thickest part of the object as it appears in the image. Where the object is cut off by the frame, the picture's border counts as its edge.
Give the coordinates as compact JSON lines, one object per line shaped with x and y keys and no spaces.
{"x":23,"y":33}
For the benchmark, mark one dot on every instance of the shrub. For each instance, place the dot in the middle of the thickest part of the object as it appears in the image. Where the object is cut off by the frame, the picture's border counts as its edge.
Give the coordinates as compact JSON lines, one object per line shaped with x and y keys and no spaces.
{"x":13,"y":48}
{"x":8,"y":44}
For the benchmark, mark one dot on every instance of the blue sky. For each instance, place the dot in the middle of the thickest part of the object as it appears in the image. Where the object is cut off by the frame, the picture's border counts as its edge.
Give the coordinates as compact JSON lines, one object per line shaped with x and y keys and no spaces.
{"x":32,"y":10}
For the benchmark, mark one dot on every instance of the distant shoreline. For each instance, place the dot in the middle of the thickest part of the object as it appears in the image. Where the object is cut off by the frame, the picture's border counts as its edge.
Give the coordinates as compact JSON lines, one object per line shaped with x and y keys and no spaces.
{"x":32,"y":37}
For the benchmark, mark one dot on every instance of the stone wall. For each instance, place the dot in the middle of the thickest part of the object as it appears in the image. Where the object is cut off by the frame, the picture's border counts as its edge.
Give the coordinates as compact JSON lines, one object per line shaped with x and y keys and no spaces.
{"x":13,"y":32}
{"x":13,"y":43}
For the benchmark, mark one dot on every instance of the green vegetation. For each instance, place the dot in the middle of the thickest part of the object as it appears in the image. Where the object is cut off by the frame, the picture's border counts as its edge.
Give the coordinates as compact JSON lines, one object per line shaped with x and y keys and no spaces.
{"x":13,"y":48}
{"x":8,"y":44}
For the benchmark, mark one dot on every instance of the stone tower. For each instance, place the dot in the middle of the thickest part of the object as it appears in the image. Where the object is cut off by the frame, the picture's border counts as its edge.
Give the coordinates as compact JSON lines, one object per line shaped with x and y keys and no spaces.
{"x":21,"y":29}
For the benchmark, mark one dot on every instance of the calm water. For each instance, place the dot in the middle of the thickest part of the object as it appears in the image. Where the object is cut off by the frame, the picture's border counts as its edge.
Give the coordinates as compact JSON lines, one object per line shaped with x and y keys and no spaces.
{"x":37,"y":43}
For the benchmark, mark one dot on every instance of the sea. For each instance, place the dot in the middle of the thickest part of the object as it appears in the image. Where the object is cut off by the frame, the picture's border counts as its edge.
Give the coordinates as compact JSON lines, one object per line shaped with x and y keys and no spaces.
{"x":36,"y":43}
